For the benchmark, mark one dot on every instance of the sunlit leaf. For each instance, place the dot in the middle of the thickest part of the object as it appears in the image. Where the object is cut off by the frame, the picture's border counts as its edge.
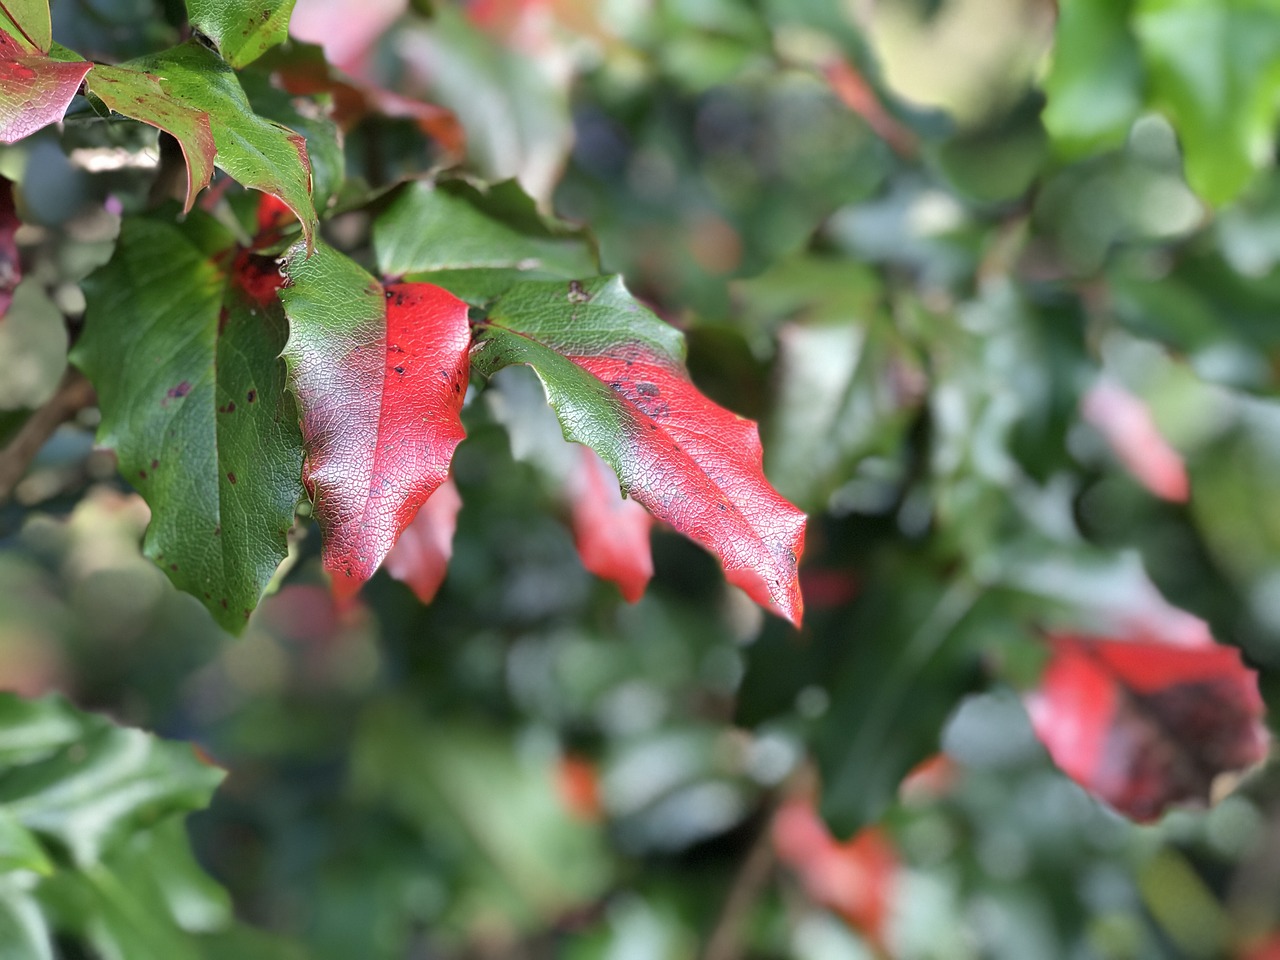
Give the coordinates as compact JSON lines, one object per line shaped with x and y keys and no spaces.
{"x":243,"y":29}
{"x":380,"y":374}
{"x":34,"y":90}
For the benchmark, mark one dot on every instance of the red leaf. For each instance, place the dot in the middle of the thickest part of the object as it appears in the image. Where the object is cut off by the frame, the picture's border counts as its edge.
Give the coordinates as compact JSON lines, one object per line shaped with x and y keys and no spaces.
{"x":380,"y":375}
{"x":714,"y":490}
{"x":10,"y":263}
{"x":611,"y":531}
{"x":420,"y":557}
{"x":35,"y":91}
{"x":1129,"y":429}
{"x":1143,"y":723}
{"x":578,"y":783}
{"x":856,"y":878}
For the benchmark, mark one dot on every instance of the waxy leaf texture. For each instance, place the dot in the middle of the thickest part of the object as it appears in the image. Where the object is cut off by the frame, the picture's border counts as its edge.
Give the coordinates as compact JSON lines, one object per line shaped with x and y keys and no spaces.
{"x":182,"y":341}
{"x":380,"y":374}
{"x":614,"y":373}
{"x":34,"y":89}
{"x":243,"y":29}
{"x":141,"y":96}
{"x":1144,"y":723}
{"x":257,"y":152}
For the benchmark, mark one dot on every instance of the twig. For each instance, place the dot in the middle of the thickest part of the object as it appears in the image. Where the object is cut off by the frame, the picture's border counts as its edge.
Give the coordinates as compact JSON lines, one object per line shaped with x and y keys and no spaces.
{"x":725,"y":942}
{"x":73,"y":395}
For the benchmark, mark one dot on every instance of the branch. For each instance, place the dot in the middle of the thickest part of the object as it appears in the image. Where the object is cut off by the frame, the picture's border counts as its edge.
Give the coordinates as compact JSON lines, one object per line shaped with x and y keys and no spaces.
{"x":725,"y":942}
{"x":73,"y":395}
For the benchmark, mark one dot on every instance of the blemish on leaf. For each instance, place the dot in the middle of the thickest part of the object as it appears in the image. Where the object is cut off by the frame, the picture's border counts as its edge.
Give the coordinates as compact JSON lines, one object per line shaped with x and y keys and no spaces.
{"x":155,"y":464}
{"x":231,"y":477}
{"x":647,"y":389}
{"x":252,"y":396}
{"x":399,"y":370}
{"x":223,"y":601}
{"x":577,"y":294}
{"x":180,"y":391}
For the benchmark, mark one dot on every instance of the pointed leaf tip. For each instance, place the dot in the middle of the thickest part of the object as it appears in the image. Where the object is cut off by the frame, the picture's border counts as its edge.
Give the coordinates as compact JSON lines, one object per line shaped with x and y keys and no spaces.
{"x":614,"y":373}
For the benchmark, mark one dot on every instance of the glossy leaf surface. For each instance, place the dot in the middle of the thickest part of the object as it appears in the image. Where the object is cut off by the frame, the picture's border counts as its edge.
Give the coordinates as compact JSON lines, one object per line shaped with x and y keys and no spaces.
{"x":260,"y":154}
{"x":380,"y":374}
{"x":143,"y":97}
{"x":183,"y":350}
{"x":87,"y":784}
{"x":35,"y":91}
{"x":614,"y":373}
{"x":1143,"y":723}
{"x":29,"y":20}
{"x":243,"y":29}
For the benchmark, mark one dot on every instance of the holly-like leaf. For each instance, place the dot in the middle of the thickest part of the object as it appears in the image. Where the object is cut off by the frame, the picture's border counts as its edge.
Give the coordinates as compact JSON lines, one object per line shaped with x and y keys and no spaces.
{"x":614,"y":373}
{"x":421,"y":555}
{"x":429,"y":228}
{"x":10,"y":263}
{"x":380,"y":374}
{"x":97,"y":783}
{"x":141,"y":96}
{"x":243,"y":29}
{"x":182,"y":339}
{"x":29,"y":22}
{"x":610,"y":531}
{"x":257,"y":152}
{"x":34,"y":90}
{"x":1143,"y":723}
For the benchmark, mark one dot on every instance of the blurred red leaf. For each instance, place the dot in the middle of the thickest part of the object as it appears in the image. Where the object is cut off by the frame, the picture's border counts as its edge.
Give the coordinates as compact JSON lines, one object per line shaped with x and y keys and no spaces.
{"x":1143,"y":723}
{"x":578,"y":783}
{"x":420,"y":557}
{"x":1130,"y":431}
{"x":856,"y":878}
{"x":10,"y":264}
{"x":611,"y":531}
{"x":35,"y":91}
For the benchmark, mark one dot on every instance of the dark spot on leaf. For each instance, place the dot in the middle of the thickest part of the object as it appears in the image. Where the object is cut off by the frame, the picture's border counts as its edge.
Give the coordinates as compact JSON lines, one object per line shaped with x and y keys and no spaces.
{"x":142,"y":474}
{"x":577,"y":294}
{"x":647,"y":389}
{"x":231,"y":477}
{"x":253,"y":395}
{"x":173,"y":566}
{"x":231,"y":407}
{"x":181,"y":390}
{"x":154,"y":464}
{"x":399,"y":370}
{"x":208,"y":595}
{"x":223,"y":601}
{"x":721,"y":507}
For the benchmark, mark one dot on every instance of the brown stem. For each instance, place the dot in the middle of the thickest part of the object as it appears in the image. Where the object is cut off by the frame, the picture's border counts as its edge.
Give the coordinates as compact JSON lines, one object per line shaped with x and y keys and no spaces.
{"x":725,"y":942}
{"x":73,"y":395}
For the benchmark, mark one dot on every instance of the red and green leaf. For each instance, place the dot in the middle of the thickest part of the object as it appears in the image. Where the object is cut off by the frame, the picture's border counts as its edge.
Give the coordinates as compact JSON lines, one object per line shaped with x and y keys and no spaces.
{"x":380,"y":374}
{"x":1143,"y":723}
{"x":142,"y":96}
{"x":420,"y":558}
{"x":614,"y":373}
{"x":243,"y":29}
{"x":28,"y":22}
{"x":182,"y":341}
{"x":35,"y":90}
{"x":255,"y":151}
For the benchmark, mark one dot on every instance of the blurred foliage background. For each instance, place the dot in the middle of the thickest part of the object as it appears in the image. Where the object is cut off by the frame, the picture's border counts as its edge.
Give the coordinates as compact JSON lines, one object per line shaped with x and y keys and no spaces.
{"x":949,"y":253}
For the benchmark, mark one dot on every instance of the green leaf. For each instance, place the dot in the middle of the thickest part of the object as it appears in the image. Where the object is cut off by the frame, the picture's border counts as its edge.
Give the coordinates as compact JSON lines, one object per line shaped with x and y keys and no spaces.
{"x":429,"y":228}
{"x":24,"y":934}
{"x":324,"y":148}
{"x":183,"y":348}
{"x":243,"y":29}
{"x":90,"y":794}
{"x":143,"y":97}
{"x":19,"y":849}
{"x":29,"y":20}
{"x":260,"y":154}
{"x":1215,"y":69}
{"x":614,"y":374}
{"x":1094,"y":87}
{"x":34,"y":89}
